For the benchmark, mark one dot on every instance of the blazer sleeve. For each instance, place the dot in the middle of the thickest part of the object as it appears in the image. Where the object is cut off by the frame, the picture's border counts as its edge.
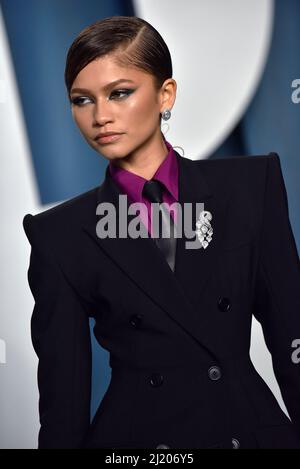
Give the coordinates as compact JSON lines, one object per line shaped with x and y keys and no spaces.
{"x":277,"y":289}
{"x":61,"y":339}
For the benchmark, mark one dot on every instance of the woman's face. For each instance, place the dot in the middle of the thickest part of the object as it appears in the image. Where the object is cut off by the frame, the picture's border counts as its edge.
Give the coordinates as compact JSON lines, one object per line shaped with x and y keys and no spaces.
{"x":129,"y":107}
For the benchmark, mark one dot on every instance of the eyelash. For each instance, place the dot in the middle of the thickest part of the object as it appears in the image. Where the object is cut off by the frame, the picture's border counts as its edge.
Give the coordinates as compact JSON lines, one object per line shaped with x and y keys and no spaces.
{"x":78,"y":101}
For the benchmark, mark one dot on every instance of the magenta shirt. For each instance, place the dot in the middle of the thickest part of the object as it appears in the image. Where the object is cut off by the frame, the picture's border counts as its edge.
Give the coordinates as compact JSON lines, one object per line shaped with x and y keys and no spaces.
{"x":132,"y":184}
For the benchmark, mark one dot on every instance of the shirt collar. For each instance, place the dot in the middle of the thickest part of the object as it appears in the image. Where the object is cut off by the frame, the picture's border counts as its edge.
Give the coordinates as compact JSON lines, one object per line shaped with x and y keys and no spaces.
{"x":132,"y":184}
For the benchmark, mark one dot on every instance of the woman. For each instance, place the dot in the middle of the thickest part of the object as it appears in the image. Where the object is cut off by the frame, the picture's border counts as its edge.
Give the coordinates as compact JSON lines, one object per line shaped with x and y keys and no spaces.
{"x":174,"y":314}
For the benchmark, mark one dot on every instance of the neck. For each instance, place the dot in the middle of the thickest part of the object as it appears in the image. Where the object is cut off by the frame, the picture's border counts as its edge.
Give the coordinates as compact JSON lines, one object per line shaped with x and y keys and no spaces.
{"x":145,"y":160}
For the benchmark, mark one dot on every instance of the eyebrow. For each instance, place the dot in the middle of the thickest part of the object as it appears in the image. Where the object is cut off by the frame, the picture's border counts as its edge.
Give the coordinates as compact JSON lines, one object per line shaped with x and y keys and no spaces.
{"x":109,"y":85}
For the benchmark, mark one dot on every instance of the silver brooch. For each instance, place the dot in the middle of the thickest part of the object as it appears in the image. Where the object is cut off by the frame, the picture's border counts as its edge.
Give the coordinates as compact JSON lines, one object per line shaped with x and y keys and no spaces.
{"x":204,"y":229}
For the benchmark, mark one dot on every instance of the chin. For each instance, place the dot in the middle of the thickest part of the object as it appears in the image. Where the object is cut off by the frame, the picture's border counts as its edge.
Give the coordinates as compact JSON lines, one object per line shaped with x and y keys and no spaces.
{"x":114,"y":151}
{"x":111,"y":156}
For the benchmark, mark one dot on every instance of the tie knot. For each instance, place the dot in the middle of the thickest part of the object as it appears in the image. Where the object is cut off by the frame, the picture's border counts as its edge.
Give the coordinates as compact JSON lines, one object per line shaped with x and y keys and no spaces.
{"x":152,"y":191}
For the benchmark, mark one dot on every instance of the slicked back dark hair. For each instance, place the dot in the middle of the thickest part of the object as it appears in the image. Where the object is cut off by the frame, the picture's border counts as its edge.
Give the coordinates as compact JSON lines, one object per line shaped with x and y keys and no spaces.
{"x":134,"y":42}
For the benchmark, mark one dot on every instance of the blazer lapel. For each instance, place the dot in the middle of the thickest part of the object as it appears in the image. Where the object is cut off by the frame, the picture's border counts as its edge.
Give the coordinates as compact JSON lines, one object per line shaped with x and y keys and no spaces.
{"x":194,"y":266}
{"x":178,"y":294}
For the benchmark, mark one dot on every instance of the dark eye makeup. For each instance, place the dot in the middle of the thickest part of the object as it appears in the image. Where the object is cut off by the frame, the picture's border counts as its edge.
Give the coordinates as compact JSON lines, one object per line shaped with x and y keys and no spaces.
{"x":78,"y":101}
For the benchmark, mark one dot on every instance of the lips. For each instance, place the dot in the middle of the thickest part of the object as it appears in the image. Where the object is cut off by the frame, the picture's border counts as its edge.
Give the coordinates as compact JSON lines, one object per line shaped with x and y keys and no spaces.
{"x":108,"y":138}
{"x":106,"y":134}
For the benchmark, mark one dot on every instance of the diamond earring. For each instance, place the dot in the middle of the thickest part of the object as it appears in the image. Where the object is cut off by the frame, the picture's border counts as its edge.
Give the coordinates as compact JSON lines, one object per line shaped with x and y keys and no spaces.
{"x":166,"y":114}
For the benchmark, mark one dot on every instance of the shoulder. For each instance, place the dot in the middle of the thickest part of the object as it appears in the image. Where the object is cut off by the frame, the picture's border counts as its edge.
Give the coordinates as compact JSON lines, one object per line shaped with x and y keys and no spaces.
{"x":67,"y":215}
{"x":243,"y":179}
{"x":252,"y":162}
{"x":239,"y":171}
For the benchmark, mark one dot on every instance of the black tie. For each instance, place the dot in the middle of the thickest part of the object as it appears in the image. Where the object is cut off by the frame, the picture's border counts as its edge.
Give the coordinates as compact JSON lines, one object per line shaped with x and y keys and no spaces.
{"x":153,"y":191}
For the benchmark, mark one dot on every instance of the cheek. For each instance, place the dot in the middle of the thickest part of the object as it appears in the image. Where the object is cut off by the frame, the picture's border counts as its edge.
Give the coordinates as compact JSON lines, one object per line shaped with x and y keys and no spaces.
{"x":80,"y":120}
{"x":142,"y":112}
{"x":75,"y":118}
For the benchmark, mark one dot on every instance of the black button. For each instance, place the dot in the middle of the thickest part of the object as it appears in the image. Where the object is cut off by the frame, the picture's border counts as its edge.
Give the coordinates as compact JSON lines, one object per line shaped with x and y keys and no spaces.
{"x":224,"y":304}
{"x":136,"y":320}
{"x":214,"y":373}
{"x":156,"y":379}
{"x":235,"y":443}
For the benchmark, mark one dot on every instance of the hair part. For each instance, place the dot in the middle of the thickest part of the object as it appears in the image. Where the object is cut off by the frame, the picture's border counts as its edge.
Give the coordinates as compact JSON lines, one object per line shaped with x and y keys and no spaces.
{"x":133,"y":41}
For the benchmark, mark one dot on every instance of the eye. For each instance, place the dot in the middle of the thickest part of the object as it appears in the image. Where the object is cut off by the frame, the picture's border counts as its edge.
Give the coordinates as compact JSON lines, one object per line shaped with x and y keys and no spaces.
{"x":125,"y":92}
{"x":78,"y":101}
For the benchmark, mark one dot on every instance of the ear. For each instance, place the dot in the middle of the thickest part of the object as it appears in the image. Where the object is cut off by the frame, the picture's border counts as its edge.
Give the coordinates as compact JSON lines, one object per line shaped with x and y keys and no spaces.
{"x":168,"y":94}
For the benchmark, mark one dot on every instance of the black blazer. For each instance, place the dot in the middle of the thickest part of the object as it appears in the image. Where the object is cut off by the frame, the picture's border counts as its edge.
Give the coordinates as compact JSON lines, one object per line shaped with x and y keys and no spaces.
{"x":178,"y":342}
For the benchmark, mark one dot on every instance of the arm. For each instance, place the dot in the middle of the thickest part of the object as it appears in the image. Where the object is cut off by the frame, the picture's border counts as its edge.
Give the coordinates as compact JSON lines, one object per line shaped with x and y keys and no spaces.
{"x":61,"y":339}
{"x":277,"y":290}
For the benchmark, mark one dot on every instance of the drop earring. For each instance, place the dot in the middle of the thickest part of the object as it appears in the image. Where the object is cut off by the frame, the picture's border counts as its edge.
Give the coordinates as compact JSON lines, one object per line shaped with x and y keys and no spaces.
{"x":166,"y":114}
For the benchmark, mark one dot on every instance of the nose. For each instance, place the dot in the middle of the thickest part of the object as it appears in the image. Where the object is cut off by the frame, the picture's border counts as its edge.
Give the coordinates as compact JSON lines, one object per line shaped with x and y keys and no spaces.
{"x":102,"y":113}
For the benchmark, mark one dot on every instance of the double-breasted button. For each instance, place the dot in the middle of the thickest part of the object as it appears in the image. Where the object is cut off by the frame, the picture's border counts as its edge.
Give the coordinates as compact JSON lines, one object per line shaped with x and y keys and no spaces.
{"x":235,"y":443}
{"x":162,"y":446}
{"x":214,"y":373}
{"x":156,"y":379}
{"x":224,"y":304}
{"x":136,"y":320}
